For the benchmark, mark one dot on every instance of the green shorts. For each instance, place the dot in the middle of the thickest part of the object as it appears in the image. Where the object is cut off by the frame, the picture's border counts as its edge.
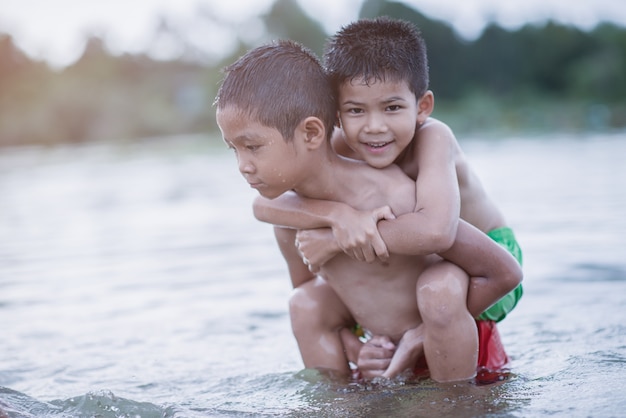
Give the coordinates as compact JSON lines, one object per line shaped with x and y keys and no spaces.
{"x":497,"y":312}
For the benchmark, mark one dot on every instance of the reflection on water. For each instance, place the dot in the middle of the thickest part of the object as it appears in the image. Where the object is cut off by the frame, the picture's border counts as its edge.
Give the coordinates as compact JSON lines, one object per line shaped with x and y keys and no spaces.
{"x":134,"y":281}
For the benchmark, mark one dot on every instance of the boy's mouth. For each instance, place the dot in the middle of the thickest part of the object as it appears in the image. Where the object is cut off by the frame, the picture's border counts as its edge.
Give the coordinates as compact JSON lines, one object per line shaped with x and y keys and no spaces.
{"x":377,"y":145}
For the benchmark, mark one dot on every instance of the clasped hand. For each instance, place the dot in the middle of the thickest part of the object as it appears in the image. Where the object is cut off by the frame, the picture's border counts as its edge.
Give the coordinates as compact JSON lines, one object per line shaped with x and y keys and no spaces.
{"x":356,"y":234}
{"x":380,"y":357}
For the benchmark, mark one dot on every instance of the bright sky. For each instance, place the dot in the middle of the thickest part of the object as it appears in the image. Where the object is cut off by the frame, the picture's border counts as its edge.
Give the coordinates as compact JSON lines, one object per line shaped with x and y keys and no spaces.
{"x":55,"y":30}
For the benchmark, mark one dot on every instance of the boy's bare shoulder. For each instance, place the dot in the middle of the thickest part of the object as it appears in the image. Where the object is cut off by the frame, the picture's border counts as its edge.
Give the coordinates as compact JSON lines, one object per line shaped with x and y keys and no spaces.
{"x":432,"y":143}
{"x":433,"y":137}
{"x":434,"y":128}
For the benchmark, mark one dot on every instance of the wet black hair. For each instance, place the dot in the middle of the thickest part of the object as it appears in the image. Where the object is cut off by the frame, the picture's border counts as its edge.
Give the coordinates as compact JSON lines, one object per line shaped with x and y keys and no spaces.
{"x":279,"y":84}
{"x":377,"y":50}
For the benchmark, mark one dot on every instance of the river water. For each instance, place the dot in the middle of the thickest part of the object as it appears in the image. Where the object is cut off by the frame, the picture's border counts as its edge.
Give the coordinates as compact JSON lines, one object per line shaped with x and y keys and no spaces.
{"x":135,"y":282}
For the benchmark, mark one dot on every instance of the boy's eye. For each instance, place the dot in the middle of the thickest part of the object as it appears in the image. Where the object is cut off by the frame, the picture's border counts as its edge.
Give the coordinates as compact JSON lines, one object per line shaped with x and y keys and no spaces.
{"x":354,"y":110}
{"x":252,"y":147}
{"x":394,"y":108}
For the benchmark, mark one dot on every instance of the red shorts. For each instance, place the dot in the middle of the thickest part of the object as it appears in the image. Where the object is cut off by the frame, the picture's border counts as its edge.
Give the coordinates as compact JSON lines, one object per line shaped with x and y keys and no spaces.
{"x":491,"y":354}
{"x":492,"y":358}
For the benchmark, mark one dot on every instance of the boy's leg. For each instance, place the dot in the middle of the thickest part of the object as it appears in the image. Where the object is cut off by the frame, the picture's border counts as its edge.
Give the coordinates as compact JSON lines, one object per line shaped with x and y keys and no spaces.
{"x":317,"y":317}
{"x":498,"y":311}
{"x":450,"y":335}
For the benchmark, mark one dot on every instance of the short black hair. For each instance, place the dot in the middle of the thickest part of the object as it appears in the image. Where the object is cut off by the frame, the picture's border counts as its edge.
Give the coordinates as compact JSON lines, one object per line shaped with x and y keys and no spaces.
{"x":279,"y":84}
{"x":376,"y":50}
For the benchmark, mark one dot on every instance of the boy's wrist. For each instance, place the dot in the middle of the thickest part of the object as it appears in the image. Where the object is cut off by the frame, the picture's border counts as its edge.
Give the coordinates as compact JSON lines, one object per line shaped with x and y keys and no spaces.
{"x":340,"y":212}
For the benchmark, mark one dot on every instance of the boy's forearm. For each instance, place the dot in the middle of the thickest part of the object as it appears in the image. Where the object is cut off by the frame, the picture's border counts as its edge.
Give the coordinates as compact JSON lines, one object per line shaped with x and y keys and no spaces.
{"x":292,"y":211}
{"x":414,"y":234}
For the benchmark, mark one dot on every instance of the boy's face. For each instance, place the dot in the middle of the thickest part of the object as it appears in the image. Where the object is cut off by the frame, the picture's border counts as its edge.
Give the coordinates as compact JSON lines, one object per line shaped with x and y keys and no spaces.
{"x":378,"y":119}
{"x":266,"y":160}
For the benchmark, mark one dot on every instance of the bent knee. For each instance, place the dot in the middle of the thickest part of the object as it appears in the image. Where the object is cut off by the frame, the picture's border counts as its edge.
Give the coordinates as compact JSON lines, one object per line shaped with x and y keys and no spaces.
{"x":442,"y":295}
{"x":303,"y":302}
{"x":316,"y":306}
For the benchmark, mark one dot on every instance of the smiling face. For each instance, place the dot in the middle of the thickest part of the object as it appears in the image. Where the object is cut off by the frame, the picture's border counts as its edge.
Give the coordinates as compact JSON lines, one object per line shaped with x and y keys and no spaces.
{"x":378,"y":118}
{"x":267,"y":162}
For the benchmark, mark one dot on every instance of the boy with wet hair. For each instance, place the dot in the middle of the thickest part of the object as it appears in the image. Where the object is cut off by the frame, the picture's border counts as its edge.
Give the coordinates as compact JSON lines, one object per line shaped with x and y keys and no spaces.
{"x":276,"y":110}
{"x":378,"y":69}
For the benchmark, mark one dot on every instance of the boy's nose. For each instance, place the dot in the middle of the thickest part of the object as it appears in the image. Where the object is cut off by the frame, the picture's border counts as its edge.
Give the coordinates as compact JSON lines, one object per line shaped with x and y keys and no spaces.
{"x":245,"y":167}
{"x":375,"y":124}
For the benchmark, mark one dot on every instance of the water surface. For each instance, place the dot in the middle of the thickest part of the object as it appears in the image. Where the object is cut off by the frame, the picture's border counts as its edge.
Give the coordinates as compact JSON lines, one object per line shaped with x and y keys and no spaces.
{"x":135,"y":282}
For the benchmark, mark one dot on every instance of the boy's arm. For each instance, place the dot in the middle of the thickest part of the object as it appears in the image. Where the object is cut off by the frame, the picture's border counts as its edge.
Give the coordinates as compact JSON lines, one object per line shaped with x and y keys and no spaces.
{"x":431,"y":227}
{"x":293,"y":211}
{"x":355,"y":231}
{"x":298,"y":271}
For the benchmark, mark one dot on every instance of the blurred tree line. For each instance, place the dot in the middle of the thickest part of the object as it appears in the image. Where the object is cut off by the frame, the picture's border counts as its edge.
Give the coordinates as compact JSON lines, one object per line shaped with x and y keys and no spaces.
{"x":537,"y":78}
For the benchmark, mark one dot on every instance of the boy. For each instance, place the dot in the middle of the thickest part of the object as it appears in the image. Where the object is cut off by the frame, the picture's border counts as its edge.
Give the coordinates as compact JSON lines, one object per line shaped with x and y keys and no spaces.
{"x":378,"y":69}
{"x":276,"y":111}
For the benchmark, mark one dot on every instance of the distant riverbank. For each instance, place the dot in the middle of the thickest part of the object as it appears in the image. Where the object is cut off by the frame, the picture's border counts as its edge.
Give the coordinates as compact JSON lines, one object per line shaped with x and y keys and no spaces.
{"x":483,"y":115}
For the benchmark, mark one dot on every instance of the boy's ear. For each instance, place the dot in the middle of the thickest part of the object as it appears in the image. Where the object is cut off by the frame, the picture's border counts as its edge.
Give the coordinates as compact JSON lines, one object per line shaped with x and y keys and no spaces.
{"x":425,"y":107}
{"x":314,"y":131}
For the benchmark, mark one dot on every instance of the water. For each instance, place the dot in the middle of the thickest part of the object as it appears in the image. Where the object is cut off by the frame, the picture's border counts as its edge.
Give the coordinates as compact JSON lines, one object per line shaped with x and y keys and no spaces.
{"x":134,"y":282}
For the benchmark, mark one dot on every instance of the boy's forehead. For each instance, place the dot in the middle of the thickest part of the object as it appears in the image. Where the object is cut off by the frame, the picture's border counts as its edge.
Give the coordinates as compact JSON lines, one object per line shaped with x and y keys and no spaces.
{"x":378,"y":81}
{"x":231,"y":113}
{"x":232,"y":110}
{"x":235,"y":122}
{"x":232,"y":119}
{"x":362,"y":85}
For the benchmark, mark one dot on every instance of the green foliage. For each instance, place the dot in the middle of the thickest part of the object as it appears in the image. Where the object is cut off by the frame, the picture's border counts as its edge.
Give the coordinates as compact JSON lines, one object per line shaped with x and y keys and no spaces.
{"x":547,"y":76}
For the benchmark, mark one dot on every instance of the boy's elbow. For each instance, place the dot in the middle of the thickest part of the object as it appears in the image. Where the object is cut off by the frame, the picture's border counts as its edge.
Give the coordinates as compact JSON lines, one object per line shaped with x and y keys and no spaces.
{"x":259,"y":210}
{"x":520,"y":275}
{"x":444,"y":234}
{"x":441,"y":241}
{"x":516,"y":275}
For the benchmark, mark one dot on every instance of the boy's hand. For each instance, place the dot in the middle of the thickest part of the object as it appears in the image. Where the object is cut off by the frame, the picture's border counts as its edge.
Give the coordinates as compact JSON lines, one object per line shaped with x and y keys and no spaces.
{"x":316,"y":247}
{"x":375,"y":356}
{"x":410,"y":348}
{"x":357,"y":234}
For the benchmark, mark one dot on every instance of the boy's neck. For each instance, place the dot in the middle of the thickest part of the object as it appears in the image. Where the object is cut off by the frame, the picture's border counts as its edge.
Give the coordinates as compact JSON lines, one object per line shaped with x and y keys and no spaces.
{"x":324,"y":182}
